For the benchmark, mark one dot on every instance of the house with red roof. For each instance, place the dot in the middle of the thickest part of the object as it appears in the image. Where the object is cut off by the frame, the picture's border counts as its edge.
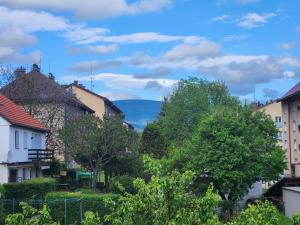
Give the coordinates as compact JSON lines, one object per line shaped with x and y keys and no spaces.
{"x":23,"y":153}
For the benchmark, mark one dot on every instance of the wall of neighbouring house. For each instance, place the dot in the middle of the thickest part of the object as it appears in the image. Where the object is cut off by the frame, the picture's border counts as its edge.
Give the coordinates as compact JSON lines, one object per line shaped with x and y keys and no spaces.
{"x":95,"y":103}
{"x":4,"y":139}
{"x":291,"y":200}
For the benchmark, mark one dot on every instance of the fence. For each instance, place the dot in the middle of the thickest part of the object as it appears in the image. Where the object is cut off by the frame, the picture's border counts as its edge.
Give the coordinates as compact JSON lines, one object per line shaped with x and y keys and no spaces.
{"x":65,"y":211}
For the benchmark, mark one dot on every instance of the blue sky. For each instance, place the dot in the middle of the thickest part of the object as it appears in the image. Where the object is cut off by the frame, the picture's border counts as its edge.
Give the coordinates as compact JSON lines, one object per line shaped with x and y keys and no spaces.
{"x":141,"y":48}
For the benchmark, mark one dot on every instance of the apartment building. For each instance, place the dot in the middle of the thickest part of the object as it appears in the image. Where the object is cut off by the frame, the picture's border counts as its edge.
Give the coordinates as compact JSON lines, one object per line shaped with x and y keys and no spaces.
{"x":291,"y":129}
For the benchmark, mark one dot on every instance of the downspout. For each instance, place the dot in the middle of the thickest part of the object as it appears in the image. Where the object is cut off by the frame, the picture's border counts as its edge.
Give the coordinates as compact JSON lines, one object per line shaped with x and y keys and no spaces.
{"x":289,"y":130}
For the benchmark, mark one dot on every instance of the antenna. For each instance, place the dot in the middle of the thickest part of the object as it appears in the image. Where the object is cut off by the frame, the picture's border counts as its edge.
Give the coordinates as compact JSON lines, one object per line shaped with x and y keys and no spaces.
{"x":92,"y":83}
{"x":40,"y":61}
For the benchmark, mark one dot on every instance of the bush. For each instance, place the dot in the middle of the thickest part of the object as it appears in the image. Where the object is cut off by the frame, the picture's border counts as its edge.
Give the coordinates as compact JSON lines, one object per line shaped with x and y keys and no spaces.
{"x":35,"y":188}
{"x":74,"y":203}
{"x":1,"y":203}
{"x":296,"y":219}
{"x":263,"y":213}
{"x":122,"y":184}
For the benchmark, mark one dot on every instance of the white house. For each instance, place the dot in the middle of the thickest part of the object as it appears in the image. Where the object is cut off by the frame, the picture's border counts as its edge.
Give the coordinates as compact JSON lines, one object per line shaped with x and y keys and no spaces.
{"x":23,"y":152}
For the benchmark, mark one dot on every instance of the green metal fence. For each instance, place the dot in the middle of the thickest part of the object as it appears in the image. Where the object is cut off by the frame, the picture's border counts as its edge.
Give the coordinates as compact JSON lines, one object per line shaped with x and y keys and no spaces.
{"x":65,"y":211}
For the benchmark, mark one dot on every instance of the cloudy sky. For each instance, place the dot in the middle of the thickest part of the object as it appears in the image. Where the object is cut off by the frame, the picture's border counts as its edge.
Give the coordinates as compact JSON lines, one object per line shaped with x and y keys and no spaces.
{"x":141,"y":48}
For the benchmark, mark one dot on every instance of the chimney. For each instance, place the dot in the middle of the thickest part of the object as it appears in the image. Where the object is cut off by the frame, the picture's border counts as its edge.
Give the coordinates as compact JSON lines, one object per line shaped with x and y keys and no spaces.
{"x":51,"y":76}
{"x":76,"y":82}
{"x":35,"y":68}
{"x":20,"y":70}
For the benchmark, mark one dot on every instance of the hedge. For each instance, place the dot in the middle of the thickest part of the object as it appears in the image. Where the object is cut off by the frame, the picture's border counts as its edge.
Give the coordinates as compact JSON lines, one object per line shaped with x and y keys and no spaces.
{"x":1,"y":203}
{"x":122,"y":184}
{"x":76,"y":205}
{"x":36,"y":188}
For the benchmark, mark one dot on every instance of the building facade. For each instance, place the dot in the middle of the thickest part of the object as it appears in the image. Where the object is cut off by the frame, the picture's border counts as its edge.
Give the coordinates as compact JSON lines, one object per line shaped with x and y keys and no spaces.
{"x":274,"y":109}
{"x":23,"y":153}
{"x":101,"y":105}
{"x":291,"y":129}
{"x":48,"y":102}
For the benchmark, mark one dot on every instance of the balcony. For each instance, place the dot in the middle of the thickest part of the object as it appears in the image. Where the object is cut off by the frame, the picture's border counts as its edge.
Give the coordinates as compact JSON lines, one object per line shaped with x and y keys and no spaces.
{"x":278,"y":124}
{"x":40,"y":155}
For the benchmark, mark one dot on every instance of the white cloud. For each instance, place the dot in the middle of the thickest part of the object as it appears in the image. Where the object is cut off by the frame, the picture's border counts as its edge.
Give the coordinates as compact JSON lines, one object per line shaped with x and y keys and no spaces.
{"x":93,"y":65}
{"x":231,"y":37}
{"x":123,"y":81}
{"x":288,"y":45}
{"x":222,"y":19}
{"x":252,"y":20}
{"x":87,"y":35}
{"x":289,"y":74}
{"x":117,"y":95}
{"x":93,"y":9}
{"x":96,"y":49}
{"x":30,"y":21}
{"x":202,"y":49}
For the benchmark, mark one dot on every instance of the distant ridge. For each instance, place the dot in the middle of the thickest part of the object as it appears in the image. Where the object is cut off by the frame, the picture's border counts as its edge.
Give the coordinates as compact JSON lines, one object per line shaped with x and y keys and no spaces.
{"x":139,"y":112}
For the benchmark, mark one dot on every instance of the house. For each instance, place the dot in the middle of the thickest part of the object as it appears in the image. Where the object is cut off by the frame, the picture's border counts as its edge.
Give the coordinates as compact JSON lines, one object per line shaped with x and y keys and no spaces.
{"x":101,"y":105}
{"x":23,"y":152}
{"x":291,"y":129}
{"x":48,"y":102}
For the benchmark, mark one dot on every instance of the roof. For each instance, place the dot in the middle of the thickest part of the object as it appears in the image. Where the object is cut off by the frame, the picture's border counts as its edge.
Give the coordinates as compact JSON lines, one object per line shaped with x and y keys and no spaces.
{"x":295,"y":189}
{"x":17,"y":116}
{"x":39,"y":88}
{"x":292,"y":92}
{"x":106,"y":100}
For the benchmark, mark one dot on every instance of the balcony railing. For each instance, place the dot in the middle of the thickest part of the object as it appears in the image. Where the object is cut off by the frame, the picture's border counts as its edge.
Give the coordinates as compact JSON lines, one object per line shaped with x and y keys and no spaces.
{"x":40,"y":154}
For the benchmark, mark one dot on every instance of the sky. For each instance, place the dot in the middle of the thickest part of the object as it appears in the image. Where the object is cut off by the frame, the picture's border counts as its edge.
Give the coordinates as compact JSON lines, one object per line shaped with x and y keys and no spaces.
{"x":140,"y":49}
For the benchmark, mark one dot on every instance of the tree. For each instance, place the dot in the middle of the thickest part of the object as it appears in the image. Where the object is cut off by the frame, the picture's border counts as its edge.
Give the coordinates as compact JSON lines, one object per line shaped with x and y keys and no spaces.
{"x":94,"y":142}
{"x":152,"y":141}
{"x":165,"y":200}
{"x":192,"y":101}
{"x":232,"y":150}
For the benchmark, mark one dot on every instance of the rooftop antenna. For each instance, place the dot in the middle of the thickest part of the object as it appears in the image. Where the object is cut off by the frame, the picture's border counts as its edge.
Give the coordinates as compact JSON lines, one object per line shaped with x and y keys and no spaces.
{"x":254,"y":97}
{"x":40,"y":62}
{"x":92,"y":83}
{"x":92,"y":79}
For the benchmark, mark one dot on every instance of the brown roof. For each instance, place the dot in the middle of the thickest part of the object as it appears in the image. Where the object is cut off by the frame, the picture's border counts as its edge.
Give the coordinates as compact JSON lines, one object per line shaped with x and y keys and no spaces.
{"x":106,"y":100}
{"x":292,"y":92}
{"x":17,"y":116}
{"x":36,"y":87}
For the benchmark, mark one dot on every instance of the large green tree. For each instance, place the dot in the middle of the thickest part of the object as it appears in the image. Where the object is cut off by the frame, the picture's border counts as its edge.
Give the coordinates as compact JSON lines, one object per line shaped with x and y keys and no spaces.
{"x":152,"y":141}
{"x":95,"y":142}
{"x":232,"y":150}
{"x":191,"y":101}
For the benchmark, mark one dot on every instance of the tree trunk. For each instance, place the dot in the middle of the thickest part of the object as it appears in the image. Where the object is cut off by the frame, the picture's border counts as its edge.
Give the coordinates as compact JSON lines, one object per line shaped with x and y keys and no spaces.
{"x":95,"y":178}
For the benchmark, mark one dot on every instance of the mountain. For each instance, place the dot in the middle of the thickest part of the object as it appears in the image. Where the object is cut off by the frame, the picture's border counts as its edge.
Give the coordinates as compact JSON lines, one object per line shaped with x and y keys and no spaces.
{"x":139,"y":112}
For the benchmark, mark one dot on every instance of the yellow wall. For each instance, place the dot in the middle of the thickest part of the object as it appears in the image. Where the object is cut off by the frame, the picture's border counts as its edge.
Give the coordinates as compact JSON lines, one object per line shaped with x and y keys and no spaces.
{"x":95,"y":103}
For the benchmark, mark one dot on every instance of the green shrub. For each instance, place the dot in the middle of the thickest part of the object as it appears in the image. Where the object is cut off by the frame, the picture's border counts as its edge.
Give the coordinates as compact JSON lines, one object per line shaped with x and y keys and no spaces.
{"x":35,"y":188}
{"x":262,"y":213}
{"x":122,"y":184}
{"x":296,"y":219}
{"x":1,"y":203}
{"x":74,"y":203}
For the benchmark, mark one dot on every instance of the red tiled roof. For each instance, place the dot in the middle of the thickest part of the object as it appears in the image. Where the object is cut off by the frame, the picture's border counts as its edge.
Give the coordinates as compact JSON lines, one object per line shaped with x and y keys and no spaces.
{"x":16,"y":115}
{"x":292,"y":92}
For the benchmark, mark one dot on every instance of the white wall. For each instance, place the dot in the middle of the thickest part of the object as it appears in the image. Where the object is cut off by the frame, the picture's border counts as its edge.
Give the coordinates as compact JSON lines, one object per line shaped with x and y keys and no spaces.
{"x":8,"y":151}
{"x":3,"y":174}
{"x":4,"y":139}
{"x":291,"y":201}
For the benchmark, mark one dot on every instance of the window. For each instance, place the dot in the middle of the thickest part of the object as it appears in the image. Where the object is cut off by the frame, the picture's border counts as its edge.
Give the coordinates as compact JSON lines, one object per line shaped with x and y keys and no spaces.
{"x":295,"y":144}
{"x":17,"y":139}
{"x":25,"y":140}
{"x":278,"y":121}
{"x":279,"y":136}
